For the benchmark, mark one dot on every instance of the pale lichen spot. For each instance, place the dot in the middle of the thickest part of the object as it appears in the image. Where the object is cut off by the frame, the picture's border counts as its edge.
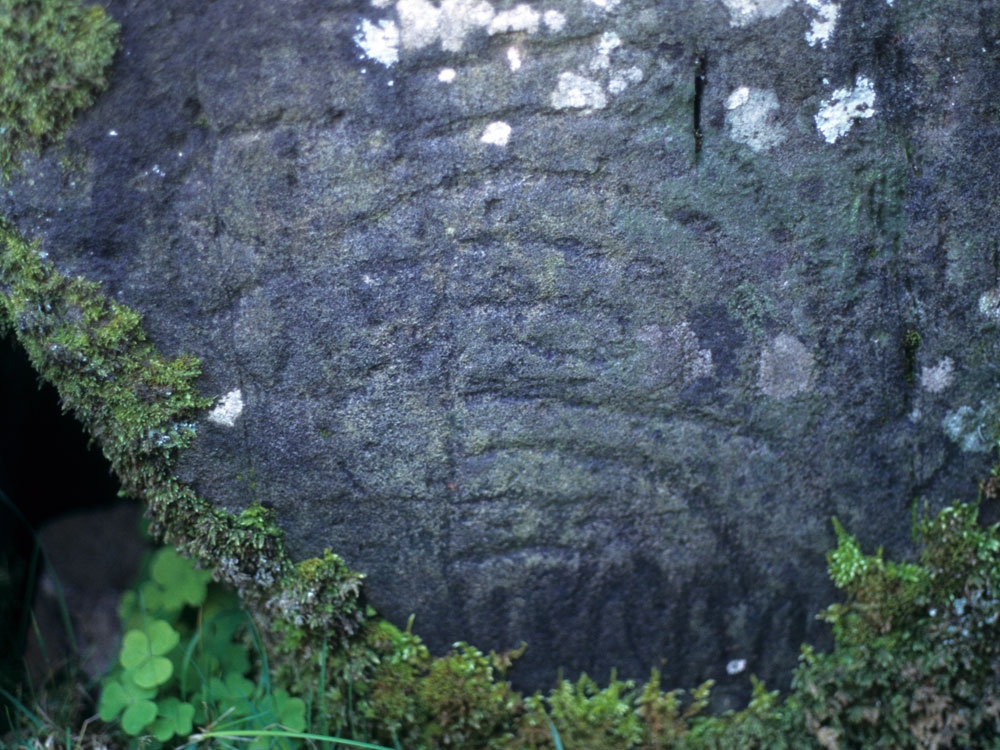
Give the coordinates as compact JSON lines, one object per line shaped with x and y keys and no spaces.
{"x":621,"y":81}
{"x":736,"y":666}
{"x":554,"y":20}
{"x":573,"y":91}
{"x":935,"y":379}
{"x":496,"y":134}
{"x":824,"y":23}
{"x":606,"y":4}
{"x":446,"y":75}
{"x":521,"y":18}
{"x":837,"y":114}
{"x":379,"y":42}
{"x":422,"y":23}
{"x":973,"y":430}
{"x":750,"y":118}
{"x":743,"y":12}
{"x":787,"y":368}
{"x":608,"y":42}
{"x":514,"y":58}
{"x":228,"y":409}
{"x":738,"y":97}
{"x":989,"y":304}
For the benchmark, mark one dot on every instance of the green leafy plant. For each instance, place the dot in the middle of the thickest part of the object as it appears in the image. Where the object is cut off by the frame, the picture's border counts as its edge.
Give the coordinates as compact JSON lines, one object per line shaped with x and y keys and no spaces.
{"x":917,"y":644}
{"x":185,"y":661}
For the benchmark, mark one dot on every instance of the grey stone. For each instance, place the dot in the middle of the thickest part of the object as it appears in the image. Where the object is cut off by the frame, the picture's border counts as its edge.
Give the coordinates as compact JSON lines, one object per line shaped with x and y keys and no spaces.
{"x":517,"y":310}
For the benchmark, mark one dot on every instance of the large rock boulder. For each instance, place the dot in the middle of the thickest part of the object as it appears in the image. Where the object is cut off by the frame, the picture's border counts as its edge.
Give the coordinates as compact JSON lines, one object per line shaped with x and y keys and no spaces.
{"x":565,"y":322}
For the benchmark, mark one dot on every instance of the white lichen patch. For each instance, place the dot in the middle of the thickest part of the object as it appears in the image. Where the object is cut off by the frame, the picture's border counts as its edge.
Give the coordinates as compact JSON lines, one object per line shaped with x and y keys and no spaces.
{"x":989,"y":304}
{"x":379,"y":42}
{"x":972,"y":430}
{"x":823,"y":23}
{"x":228,"y":409}
{"x":446,"y":75}
{"x":838,"y":113}
{"x":421,"y":23}
{"x":496,"y":134}
{"x":621,"y":81}
{"x":743,"y":12}
{"x":736,"y":666}
{"x":521,"y":18}
{"x":554,"y":21}
{"x":935,"y":379}
{"x":787,"y":368}
{"x":606,"y":4}
{"x":573,"y":91}
{"x":608,"y":42}
{"x":514,"y":58}
{"x":751,"y":118}
{"x":738,"y":97}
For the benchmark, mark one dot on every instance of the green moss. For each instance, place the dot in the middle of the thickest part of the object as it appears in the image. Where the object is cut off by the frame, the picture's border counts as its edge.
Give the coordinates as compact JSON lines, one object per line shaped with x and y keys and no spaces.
{"x":53,"y":57}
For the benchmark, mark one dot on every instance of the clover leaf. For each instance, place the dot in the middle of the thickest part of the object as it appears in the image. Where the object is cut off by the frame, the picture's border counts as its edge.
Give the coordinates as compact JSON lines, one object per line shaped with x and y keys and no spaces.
{"x":173,"y":583}
{"x":139,"y":709}
{"x":218,"y":630}
{"x":175,"y":717}
{"x":290,"y":712}
{"x":143,"y":650}
{"x":235,"y":689}
{"x":181,"y":583}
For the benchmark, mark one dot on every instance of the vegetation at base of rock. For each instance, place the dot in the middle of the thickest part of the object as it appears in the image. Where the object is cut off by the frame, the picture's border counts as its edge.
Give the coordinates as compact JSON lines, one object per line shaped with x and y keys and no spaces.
{"x":185,"y":659}
{"x":53,"y":58}
{"x":915,"y":665}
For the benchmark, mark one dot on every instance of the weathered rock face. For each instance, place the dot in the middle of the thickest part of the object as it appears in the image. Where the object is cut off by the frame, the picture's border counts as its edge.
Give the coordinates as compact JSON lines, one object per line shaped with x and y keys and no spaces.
{"x":566,"y":322}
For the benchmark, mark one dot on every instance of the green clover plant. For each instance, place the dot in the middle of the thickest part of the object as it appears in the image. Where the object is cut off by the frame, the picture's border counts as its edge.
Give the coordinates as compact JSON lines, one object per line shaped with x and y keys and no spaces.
{"x":185,"y":662}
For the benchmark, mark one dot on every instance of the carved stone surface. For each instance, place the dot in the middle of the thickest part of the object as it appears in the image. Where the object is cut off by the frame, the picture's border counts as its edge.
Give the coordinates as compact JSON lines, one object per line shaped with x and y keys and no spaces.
{"x":566,"y":322}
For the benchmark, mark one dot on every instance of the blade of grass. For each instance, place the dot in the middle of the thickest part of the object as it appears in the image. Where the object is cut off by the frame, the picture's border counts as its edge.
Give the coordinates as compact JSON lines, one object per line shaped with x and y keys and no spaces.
{"x":186,"y":661}
{"x":38,"y":636}
{"x":324,"y":727}
{"x":195,"y":738}
{"x":350,"y":704}
{"x":38,"y":553}
{"x":258,"y":642}
{"x":555,"y":735}
{"x":30,"y":715}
